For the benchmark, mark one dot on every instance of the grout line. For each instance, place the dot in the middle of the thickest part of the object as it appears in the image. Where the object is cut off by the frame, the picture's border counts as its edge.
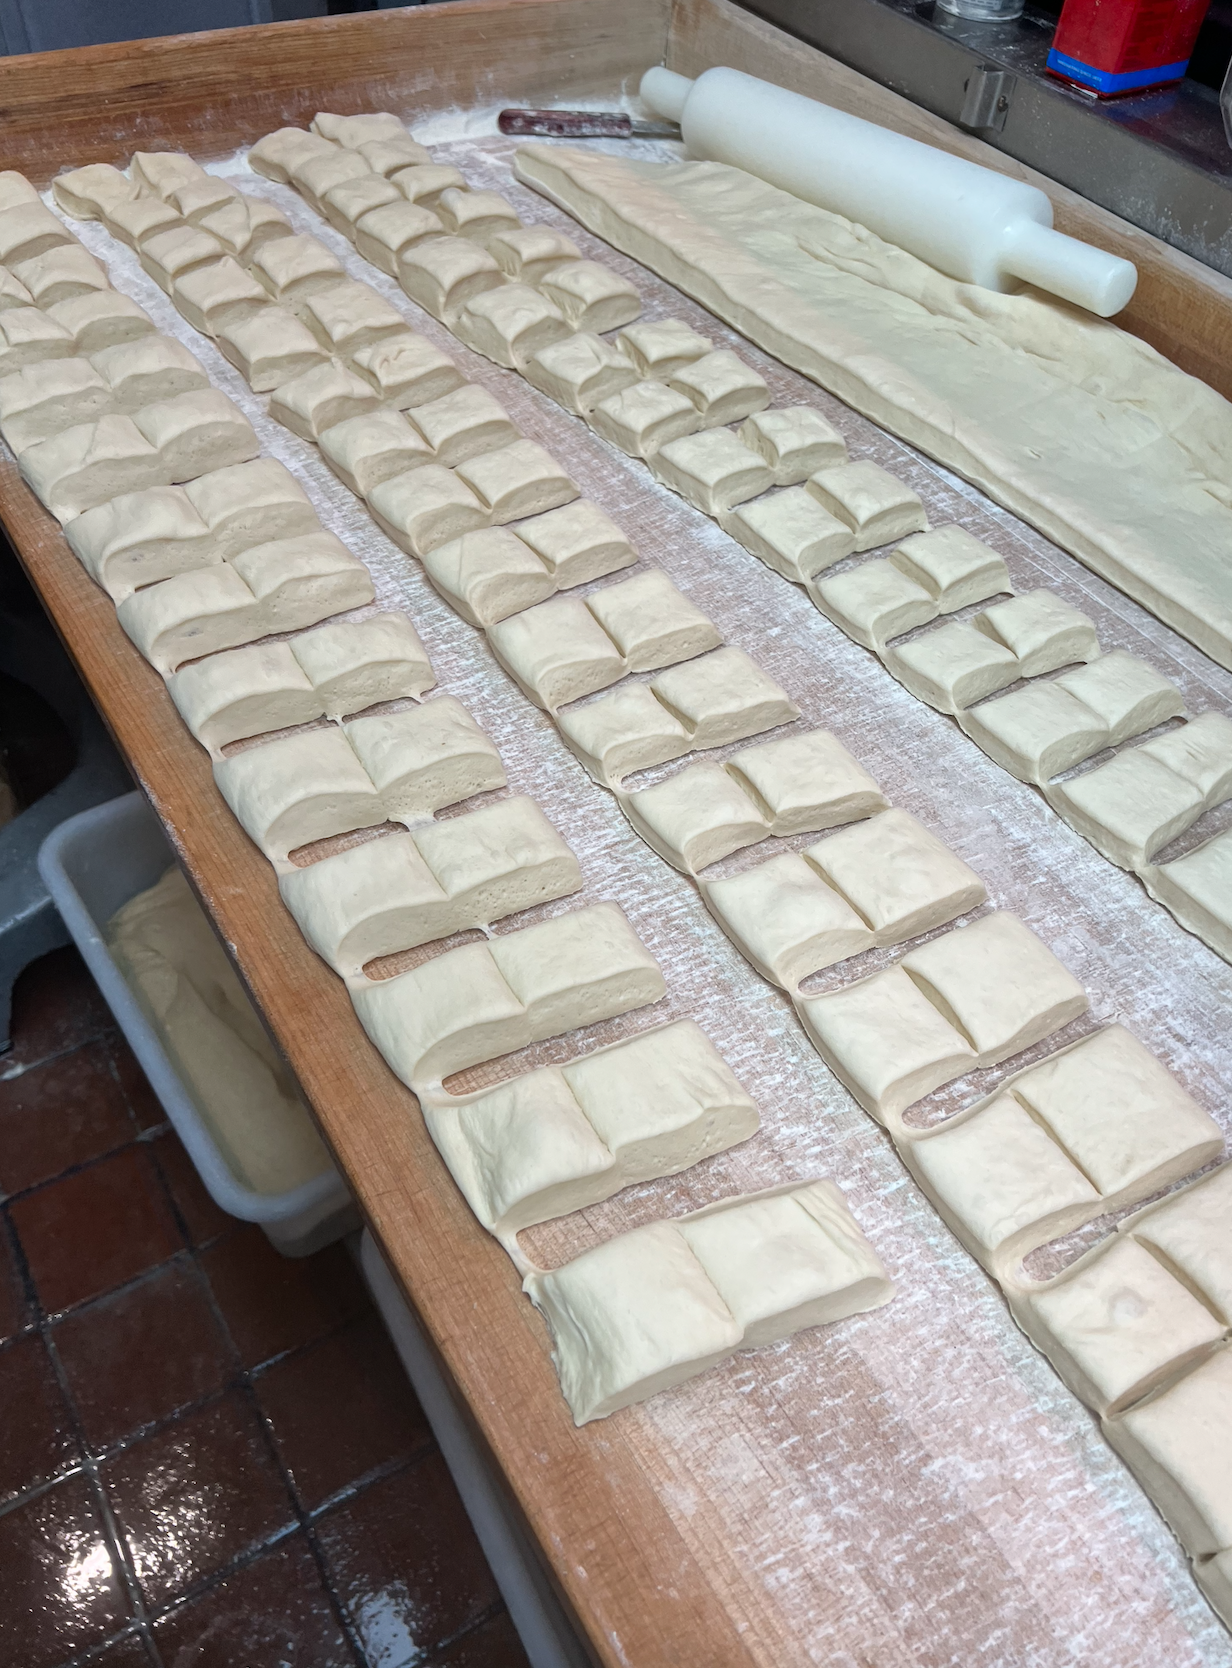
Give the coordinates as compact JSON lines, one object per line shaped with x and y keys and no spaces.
{"x":495,"y":1609}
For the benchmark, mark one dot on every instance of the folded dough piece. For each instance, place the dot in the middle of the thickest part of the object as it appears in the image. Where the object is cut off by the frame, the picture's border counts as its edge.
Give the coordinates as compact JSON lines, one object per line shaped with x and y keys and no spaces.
{"x":395,"y":894}
{"x":885,"y":1042}
{"x":345,"y":205}
{"x":28,"y":336}
{"x":1038,"y":732}
{"x":783,"y":917}
{"x":281,"y":586}
{"x":723,"y":697}
{"x":355,"y":664}
{"x":213,"y":298}
{"x":643,"y":417}
{"x":1041,"y":630}
{"x":1119,"y":1114}
{"x":350,"y":315}
{"x":577,"y":543}
{"x":510,"y":324}
{"x":872,"y":502}
{"x":529,"y":253}
{"x":1199,"y":752}
{"x":661,"y":348}
{"x":463,"y":423}
{"x":873,"y":603}
{"x":101,"y":320}
{"x":899,"y":877}
{"x":695,"y":817}
{"x":1191,"y":1232}
{"x":28,"y":229}
{"x":1129,"y":808}
{"x":353,"y":131}
{"x":197,"y":432}
{"x":651,"y":622}
{"x":13,"y":294}
{"x":443,"y":274}
{"x":483,"y":1000}
{"x":479,"y":215}
{"x":318,"y":399}
{"x":488,"y":575}
{"x":1197,"y":888}
{"x":162,"y":172}
{"x":804,"y":783}
{"x":393,"y":153}
{"x":426,"y":508}
{"x":791,"y":533}
{"x":1117,"y":1325}
{"x":579,"y":371}
{"x":997,"y":984}
{"x":150,"y":369}
{"x":313,"y":177}
{"x":425,"y":758}
{"x":622,"y":732}
{"x":952,"y":566}
{"x":242,"y":693}
{"x":516,"y":481}
{"x":407,"y":370}
{"x":251,"y":503}
{"x":142,"y":218}
{"x":795,"y":441}
{"x":424,"y":182}
{"x":334,"y":671}
{"x":294,"y":267}
{"x":191,"y":614}
{"x":172,"y":254}
{"x":660,"y":1304}
{"x":1127,"y":694}
{"x":83,"y":192}
{"x":276,"y":154}
{"x":270,"y":347}
{"x":952,"y":667}
{"x":383,"y":233}
{"x":244,"y":225}
{"x":140,"y":538}
{"x":363,"y":451}
{"x":713,"y":471}
{"x":61,"y":274}
{"x":723,"y":388}
{"x":41,"y":400}
{"x":556,"y":652}
{"x":301,"y":788}
{"x":92,"y":462}
{"x":592,"y":297}
{"x":1179,"y":1446}
{"x":562,"y":1138}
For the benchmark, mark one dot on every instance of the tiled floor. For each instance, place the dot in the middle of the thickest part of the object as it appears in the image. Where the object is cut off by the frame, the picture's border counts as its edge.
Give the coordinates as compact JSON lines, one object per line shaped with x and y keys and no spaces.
{"x":209,"y":1455}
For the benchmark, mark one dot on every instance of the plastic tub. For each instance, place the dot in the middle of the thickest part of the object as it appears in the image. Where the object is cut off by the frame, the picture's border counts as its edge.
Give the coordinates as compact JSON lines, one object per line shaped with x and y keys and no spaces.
{"x":92,"y":864}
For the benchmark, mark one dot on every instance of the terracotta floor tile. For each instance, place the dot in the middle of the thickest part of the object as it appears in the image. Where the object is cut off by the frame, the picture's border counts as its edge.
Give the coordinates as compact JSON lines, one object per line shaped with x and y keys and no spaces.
{"x":273,"y":1303}
{"x":64,"y":1112}
{"x":61,"y":1591}
{"x":494,"y":1645}
{"x":56,"y":1006}
{"x":274,"y":1613}
{"x":341,"y":1408}
{"x":404,"y":1561}
{"x":137,"y":1354}
{"x":93,"y":1230}
{"x":14,"y":1309}
{"x":36,"y":1433}
{"x":194,"y":1496}
{"x":143,"y":1103}
{"x":202,"y":1217}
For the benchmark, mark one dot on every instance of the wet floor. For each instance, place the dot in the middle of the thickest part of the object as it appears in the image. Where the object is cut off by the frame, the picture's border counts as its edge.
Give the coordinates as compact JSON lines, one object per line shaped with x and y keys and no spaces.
{"x":209,"y":1454}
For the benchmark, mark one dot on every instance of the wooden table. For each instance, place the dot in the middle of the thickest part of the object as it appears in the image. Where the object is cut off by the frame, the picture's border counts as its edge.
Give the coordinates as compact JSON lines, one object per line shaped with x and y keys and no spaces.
{"x":622,"y":1564}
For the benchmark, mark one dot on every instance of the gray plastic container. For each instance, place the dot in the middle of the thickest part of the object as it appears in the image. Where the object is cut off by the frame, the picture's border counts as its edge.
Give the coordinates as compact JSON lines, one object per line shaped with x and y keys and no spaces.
{"x":92,"y":864}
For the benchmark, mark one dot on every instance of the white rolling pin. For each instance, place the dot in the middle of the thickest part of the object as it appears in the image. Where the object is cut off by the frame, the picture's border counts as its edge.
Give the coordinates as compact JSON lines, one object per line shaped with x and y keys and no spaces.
{"x":967,"y":221}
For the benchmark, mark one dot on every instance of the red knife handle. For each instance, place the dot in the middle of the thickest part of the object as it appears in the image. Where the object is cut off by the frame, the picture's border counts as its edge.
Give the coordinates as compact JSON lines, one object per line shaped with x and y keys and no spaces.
{"x":566,"y":124}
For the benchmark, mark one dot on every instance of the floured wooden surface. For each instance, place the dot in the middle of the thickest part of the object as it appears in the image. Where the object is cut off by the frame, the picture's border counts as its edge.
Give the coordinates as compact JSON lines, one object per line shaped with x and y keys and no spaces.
{"x":914,"y":1486}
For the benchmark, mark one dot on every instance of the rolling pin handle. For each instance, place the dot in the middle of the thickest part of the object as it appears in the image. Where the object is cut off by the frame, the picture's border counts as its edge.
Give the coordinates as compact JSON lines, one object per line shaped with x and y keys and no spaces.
{"x":665,"y":92}
{"x":1076,"y":271}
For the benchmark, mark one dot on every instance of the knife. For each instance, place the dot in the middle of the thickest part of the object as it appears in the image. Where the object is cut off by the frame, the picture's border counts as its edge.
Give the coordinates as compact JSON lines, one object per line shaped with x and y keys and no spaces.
{"x":583,"y":124}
